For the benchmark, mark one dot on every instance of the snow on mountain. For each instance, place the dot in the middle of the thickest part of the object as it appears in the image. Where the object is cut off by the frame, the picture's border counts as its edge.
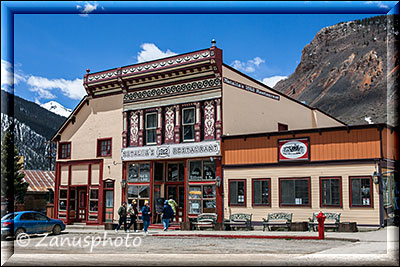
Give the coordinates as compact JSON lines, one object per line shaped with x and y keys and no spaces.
{"x":57,"y":108}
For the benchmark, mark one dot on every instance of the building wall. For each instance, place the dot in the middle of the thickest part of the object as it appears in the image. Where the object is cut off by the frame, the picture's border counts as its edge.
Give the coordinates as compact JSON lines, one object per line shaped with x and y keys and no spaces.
{"x":102,"y":118}
{"x":390,"y":144}
{"x":362,"y":215}
{"x":246,"y":112}
{"x":332,"y":145}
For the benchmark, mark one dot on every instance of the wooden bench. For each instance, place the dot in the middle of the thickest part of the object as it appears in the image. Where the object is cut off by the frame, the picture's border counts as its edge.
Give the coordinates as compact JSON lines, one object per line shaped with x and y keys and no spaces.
{"x":278,"y":219}
{"x":205,"y":220}
{"x":239,"y":220}
{"x":332,"y":221}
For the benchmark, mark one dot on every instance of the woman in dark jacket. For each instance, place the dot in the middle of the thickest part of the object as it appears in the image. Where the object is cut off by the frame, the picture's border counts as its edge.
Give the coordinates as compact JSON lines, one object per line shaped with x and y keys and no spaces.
{"x":133,"y":213}
{"x":146,"y":216}
{"x":167,"y":214}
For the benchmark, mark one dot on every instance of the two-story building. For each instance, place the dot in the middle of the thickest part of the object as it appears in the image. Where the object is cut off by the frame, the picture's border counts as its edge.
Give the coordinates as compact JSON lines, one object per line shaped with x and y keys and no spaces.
{"x":152,"y":130}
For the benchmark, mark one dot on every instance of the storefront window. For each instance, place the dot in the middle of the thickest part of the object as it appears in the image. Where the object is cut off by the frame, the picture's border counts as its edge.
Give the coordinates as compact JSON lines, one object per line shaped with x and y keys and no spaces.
{"x":294,"y":192}
{"x":202,"y":199}
{"x":138,"y":172}
{"x":237,"y":192}
{"x":158,"y":172}
{"x":330,"y":191}
{"x":202,"y":170}
{"x":93,"y":200}
{"x":194,"y":206}
{"x":140,"y":193}
{"x":176,"y":172}
{"x":261,"y":192}
{"x":62,"y":203}
{"x":361,"y":191}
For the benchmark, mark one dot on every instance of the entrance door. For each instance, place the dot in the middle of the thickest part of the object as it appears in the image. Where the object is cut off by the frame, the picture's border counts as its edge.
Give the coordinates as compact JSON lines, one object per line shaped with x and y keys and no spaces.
{"x":81,"y":205}
{"x":178,"y":194}
{"x":109,"y":207}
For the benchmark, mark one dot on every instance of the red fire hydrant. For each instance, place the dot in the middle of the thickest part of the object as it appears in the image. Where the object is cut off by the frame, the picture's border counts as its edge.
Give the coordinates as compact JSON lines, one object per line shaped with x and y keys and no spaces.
{"x":321,"y":225}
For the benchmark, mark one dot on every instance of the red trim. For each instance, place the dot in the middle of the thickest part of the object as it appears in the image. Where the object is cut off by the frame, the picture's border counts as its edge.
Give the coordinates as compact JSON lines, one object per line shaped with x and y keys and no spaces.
{"x":100,"y":209}
{"x":124,"y":175}
{"x":371,"y":204}
{"x":151,"y":190}
{"x":56,"y":190}
{"x":340,"y":191}
{"x":99,"y":141}
{"x":269,"y":192}
{"x":219,"y":192}
{"x":304,"y":140}
{"x":204,"y":181}
{"x":185,"y":192}
{"x":60,"y":145}
{"x":68,"y":189}
{"x":245,"y":193}
{"x":294,"y":205}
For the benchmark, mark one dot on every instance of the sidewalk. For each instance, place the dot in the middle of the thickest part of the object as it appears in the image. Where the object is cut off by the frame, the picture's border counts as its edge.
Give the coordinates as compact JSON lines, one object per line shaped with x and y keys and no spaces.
{"x":387,"y":234}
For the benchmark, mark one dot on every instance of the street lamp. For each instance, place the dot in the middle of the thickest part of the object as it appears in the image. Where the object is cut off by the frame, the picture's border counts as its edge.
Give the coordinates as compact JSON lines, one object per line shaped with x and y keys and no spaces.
{"x":123,"y":183}
{"x":376,"y":176}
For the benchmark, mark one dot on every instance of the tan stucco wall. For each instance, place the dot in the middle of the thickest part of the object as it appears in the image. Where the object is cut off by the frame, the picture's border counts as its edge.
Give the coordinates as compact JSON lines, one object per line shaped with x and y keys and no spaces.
{"x":246,"y":112}
{"x":102,"y":118}
{"x":79,"y":174}
{"x":360,"y":215}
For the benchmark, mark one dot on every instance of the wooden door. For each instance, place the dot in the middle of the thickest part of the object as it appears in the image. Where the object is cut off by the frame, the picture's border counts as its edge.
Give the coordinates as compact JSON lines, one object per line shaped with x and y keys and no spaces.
{"x":82,"y":205}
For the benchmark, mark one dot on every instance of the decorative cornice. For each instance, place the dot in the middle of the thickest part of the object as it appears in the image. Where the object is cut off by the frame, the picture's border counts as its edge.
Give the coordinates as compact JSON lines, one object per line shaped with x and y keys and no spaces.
{"x":149,"y":66}
{"x":178,"y":89}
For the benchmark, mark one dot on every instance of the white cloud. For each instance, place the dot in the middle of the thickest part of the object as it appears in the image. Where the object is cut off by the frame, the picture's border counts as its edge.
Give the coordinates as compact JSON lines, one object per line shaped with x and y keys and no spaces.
{"x":87,"y":8}
{"x":377,"y":3}
{"x":249,"y":66}
{"x":43,"y":86}
{"x":151,"y":51}
{"x":271,"y":81}
{"x":7,"y":78}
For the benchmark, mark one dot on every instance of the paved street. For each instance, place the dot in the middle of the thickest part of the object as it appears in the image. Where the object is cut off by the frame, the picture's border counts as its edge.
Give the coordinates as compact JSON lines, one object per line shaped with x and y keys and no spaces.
{"x":79,"y":247}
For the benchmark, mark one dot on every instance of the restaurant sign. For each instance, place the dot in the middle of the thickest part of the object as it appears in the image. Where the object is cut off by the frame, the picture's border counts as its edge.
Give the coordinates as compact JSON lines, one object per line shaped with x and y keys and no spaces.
{"x":293,"y":149}
{"x":173,"y":151}
{"x":250,"y":89}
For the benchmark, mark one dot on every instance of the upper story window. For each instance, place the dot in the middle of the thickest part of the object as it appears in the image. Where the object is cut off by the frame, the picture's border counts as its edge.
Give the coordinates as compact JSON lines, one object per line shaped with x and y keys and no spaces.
{"x":151,"y":128}
{"x":64,"y":150}
{"x":188,"y":121}
{"x":104,"y":147}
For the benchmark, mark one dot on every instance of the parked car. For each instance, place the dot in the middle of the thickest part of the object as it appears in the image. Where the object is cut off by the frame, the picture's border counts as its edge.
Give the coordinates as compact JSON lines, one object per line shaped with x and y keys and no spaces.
{"x":29,"y":222}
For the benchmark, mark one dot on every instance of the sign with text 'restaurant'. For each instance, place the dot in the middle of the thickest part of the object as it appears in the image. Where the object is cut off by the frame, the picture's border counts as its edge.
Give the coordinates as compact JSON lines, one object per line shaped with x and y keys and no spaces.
{"x":173,"y":151}
{"x":293,"y":149}
{"x":250,"y":89}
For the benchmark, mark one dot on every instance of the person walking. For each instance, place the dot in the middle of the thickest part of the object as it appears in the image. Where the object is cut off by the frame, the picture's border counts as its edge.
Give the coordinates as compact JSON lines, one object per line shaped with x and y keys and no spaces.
{"x":167,"y":214}
{"x":133,"y":212}
{"x":146,"y":216}
{"x":122,"y":217}
{"x":173,"y":205}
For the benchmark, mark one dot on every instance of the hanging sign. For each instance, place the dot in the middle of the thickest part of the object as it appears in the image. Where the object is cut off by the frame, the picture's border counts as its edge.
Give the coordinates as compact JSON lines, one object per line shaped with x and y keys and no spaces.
{"x":189,"y":150}
{"x":293,"y":149}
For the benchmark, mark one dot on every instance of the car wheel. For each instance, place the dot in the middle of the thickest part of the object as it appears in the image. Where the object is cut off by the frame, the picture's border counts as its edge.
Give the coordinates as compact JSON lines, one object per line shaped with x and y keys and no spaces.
{"x":19,"y":232}
{"x":57,"y":229}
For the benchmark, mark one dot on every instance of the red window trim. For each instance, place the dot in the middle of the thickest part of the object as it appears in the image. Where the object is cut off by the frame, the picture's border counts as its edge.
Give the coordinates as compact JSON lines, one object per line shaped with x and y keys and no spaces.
{"x":294,"y":205}
{"x":371,"y":204}
{"x":60,"y":144}
{"x":269,"y":192}
{"x":99,"y":140}
{"x":245,"y":193}
{"x":340,"y":192}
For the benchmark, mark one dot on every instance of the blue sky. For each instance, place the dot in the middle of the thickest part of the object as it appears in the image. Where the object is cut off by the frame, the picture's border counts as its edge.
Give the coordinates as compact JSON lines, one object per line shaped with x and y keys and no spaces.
{"x":53,"y":51}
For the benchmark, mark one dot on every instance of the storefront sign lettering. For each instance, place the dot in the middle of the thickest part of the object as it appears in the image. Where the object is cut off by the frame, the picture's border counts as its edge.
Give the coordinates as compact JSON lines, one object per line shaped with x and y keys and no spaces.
{"x":250,"y":89}
{"x":293,"y":149}
{"x":202,"y":149}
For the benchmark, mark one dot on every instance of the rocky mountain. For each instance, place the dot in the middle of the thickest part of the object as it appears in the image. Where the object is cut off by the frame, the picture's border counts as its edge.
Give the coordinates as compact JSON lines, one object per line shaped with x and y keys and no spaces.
{"x":57,"y":108}
{"x":33,"y":128}
{"x":350,"y":70}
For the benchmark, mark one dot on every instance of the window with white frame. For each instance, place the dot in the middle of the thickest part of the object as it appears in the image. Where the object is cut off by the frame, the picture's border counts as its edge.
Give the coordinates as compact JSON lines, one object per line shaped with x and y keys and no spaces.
{"x":151,"y":128}
{"x":188,"y":121}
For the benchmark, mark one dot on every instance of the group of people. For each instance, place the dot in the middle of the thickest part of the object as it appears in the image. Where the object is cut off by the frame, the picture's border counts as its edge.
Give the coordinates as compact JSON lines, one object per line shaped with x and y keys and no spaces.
{"x":168,"y":215}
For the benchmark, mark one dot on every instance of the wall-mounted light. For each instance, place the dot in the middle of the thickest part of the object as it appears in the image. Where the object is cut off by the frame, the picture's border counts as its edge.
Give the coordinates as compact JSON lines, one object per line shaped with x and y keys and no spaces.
{"x":211,"y":159}
{"x":218,"y":181}
{"x":375,"y":177}
{"x":115,"y":163}
{"x":123,"y":183}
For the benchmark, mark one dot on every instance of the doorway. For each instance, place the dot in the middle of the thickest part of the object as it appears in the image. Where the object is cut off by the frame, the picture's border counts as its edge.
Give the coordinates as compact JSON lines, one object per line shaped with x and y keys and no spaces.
{"x":178,"y":194}
{"x":81,"y":212}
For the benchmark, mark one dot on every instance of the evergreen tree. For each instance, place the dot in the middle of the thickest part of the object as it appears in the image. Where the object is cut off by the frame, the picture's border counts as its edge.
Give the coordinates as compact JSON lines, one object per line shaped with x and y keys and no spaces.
{"x":13,"y":185}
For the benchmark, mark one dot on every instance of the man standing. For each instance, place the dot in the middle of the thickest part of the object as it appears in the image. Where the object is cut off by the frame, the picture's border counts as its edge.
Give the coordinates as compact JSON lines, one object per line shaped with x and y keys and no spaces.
{"x":173,"y":205}
{"x":122,"y":217}
{"x":167,"y":214}
{"x":146,"y":216}
{"x":133,"y":212}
